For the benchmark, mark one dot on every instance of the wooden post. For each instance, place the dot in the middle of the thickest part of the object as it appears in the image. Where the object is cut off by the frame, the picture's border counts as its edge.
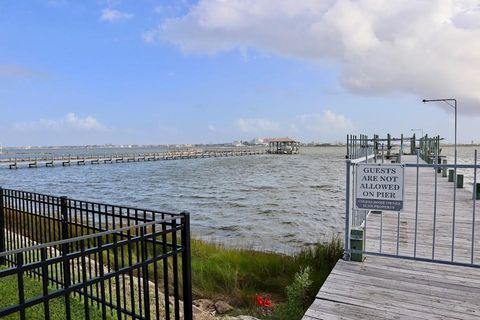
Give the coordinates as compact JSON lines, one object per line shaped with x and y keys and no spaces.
{"x":426,"y":154}
{"x":451,"y":173}
{"x":459,"y":180}
{"x":413,"y":143}
{"x":401,"y":142}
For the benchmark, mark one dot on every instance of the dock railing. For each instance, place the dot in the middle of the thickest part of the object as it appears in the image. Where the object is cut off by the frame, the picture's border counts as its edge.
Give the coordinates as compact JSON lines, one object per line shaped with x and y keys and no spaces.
{"x":438,"y":222}
{"x":110,"y":158}
{"x":361,"y":145}
{"x":119,"y":262}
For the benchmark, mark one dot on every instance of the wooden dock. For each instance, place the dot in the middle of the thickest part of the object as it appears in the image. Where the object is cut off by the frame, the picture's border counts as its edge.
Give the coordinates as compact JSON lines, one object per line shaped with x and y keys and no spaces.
{"x":402,"y":288}
{"x":17,"y":163}
{"x":392,"y":288}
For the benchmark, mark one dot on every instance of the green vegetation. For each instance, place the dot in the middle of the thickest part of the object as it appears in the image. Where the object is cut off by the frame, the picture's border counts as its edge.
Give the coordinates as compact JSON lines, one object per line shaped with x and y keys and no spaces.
{"x":235,"y":275}
{"x":297,"y":294}
{"x":33,"y":288}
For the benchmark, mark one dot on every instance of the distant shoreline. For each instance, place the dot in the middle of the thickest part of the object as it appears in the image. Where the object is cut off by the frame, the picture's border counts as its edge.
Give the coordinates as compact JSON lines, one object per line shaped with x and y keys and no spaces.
{"x":176,"y":146}
{"x":168,"y":146}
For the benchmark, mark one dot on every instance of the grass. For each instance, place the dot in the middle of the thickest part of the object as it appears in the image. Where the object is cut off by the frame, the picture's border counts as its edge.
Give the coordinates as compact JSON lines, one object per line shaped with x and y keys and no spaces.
{"x":235,"y":275}
{"x":32,"y":289}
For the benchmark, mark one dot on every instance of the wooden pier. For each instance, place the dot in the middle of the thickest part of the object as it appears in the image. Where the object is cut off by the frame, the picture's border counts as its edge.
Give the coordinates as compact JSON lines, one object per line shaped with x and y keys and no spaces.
{"x":423,"y":278}
{"x":63,"y":161}
{"x":392,"y":288}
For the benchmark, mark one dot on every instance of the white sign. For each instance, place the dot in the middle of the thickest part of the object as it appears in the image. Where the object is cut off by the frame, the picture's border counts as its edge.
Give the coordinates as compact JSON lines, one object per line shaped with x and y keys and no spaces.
{"x":379,"y":187}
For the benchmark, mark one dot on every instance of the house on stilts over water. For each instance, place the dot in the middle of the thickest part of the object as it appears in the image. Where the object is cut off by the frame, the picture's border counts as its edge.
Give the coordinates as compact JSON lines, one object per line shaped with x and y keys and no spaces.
{"x":282,"y":146}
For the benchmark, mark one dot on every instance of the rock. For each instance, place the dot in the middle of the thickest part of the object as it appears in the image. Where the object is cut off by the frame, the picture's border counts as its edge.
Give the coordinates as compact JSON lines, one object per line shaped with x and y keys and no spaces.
{"x":242,"y":318}
{"x":203,"y":316}
{"x":222,"y":307}
{"x":206,"y":305}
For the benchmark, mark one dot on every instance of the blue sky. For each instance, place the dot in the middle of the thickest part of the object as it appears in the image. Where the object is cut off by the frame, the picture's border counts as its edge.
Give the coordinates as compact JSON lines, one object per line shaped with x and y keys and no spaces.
{"x":145,"y":72}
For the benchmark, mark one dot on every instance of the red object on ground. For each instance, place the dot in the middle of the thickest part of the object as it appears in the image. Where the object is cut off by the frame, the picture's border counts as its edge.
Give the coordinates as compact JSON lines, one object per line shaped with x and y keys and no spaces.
{"x":262,"y":301}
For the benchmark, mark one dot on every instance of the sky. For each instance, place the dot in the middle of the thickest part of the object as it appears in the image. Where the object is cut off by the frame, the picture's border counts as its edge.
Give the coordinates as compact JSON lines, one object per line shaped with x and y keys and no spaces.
{"x":212,"y":71}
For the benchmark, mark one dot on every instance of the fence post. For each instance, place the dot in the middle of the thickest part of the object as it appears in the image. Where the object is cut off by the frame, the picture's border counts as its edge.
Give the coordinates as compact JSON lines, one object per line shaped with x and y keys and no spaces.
{"x":64,"y":217}
{"x":2,"y":227}
{"x":186,"y":268}
{"x":348,"y":148}
{"x":65,"y":250}
{"x":346,"y":245}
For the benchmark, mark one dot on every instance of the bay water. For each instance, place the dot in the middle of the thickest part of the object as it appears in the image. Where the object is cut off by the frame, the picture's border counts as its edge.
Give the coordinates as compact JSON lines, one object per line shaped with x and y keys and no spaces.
{"x":268,"y":202}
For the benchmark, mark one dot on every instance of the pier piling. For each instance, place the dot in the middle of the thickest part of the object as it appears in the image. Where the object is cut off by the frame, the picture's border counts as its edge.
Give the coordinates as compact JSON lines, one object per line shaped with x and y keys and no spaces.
{"x":451,"y":173}
{"x":14,"y":163}
{"x":444,"y":169}
{"x":459,"y":181}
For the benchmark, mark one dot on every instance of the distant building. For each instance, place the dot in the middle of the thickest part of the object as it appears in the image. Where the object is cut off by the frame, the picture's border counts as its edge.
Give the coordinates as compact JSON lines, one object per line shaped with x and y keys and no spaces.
{"x":259,"y":141}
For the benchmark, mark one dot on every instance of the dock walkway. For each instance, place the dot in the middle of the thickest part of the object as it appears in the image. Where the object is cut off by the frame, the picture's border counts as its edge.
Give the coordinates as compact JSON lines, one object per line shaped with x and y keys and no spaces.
{"x":63,"y":161}
{"x":398,"y":288}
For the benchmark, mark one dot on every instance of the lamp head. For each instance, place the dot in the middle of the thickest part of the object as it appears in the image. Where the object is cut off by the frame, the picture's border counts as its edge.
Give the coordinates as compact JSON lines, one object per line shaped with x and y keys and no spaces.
{"x":424,"y":100}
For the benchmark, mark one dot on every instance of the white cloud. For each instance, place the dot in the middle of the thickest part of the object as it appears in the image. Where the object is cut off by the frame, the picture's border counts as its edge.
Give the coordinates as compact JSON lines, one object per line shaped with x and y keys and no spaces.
{"x":256,"y":125}
{"x":112,"y":15}
{"x":429,"y":48}
{"x":173,"y":8}
{"x":70,"y":123}
{"x":212,"y":128}
{"x":326,"y":122}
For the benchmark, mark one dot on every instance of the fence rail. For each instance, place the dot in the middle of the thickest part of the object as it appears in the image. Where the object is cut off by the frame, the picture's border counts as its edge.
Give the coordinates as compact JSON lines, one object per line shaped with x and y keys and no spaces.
{"x":119,"y":262}
{"x":438,"y":222}
{"x":359,"y":146}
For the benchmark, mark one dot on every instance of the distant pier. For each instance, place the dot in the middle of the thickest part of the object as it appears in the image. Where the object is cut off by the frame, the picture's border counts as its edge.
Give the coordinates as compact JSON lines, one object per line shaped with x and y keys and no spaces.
{"x":63,"y":161}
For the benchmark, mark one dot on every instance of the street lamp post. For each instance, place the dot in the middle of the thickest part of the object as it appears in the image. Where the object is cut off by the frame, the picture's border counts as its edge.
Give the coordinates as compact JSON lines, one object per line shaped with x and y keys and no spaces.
{"x":447,"y":101}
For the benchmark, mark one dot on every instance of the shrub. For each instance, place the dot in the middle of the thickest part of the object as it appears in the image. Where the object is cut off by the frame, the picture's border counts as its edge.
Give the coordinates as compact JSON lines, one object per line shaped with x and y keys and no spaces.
{"x":297,"y":297}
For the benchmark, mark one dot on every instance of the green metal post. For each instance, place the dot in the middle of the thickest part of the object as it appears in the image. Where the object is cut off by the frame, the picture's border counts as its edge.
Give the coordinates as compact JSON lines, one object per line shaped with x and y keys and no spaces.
{"x":357,"y":242}
{"x":459,"y":180}
{"x":451,"y":173}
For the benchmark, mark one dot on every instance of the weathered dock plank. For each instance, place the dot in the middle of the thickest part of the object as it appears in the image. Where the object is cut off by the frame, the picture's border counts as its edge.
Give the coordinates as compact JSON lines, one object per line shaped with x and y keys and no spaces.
{"x":387,"y":288}
{"x":394,"y":288}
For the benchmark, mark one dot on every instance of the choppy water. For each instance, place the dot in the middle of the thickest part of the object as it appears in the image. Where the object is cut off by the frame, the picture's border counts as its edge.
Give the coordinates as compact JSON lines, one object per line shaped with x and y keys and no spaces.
{"x":269,"y":202}
{"x":465,"y":155}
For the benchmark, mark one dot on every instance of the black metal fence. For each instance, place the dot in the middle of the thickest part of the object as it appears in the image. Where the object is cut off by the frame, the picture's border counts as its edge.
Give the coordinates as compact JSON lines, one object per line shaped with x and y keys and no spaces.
{"x":116,"y":262}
